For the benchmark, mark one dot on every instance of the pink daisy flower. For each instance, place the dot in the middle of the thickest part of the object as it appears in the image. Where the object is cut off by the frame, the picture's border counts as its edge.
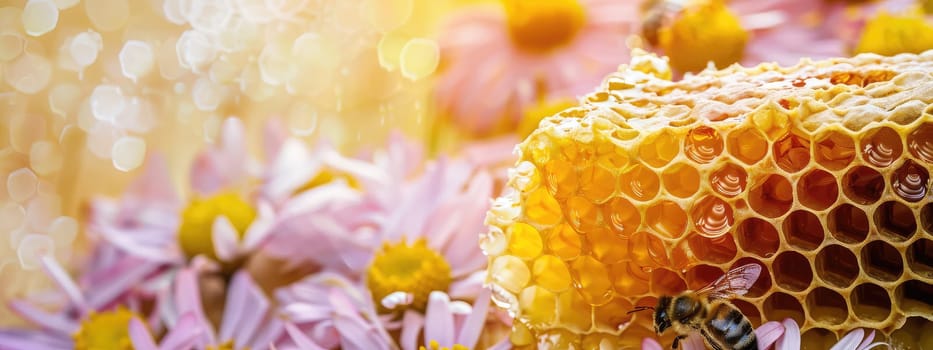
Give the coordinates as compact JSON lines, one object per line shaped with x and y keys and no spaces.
{"x":497,"y":62}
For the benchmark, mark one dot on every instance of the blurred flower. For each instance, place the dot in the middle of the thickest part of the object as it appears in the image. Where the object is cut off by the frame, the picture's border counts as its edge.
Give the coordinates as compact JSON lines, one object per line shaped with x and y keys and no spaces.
{"x":499,"y":63}
{"x":786,"y":336}
{"x":886,"y":27}
{"x":742,"y":31}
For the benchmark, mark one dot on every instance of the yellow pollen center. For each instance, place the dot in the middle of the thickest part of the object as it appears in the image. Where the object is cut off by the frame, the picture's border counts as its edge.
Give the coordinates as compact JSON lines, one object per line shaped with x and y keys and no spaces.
{"x":227,"y":345}
{"x":540,"y":26}
{"x":891,"y":35}
{"x":434,"y":345}
{"x":326,"y":176}
{"x":194,"y":235}
{"x":105,"y":330}
{"x":703,"y":32}
{"x":414,"y":269}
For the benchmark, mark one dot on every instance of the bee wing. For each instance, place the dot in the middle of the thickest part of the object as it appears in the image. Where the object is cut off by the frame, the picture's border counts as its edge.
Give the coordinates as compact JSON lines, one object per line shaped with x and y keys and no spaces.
{"x":733,"y":283}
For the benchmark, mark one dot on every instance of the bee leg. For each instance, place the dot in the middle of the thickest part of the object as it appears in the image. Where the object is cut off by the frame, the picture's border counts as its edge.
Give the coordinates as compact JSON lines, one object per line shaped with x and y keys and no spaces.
{"x":709,"y":340}
{"x":677,"y":341}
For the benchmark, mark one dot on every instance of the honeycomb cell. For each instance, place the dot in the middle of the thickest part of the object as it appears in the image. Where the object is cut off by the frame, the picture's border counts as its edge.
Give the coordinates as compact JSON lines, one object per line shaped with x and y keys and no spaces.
{"x":564,"y":242}
{"x":551,"y":273}
{"x":629,"y":279}
{"x":582,"y":214}
{"x":538,"y":306}
{"x":717,"y":250}
{"x":870,"y":302}
{"x":712,"y":216}
{"x":848,"y":224}
{"x":837,"y":265}
{"x":881,"y":261}
{"x":681,"y":180}
{"x":640,"y":183}
{"x":792,"y":271}
{"x":817,"y":189}
{"x":560,"y":178}
{"x":542,"y":208}
{"x":666,"y":218}
{"x":591,"y":280}
{"x":729,"y":180}
{"x":703,"y":144}
{"x":524,"y":241}
{"x":881,"y":146}
{"x":920,"y":142}
{"x":910,"y":181}
{"x":863,"y":185}
{"x":758,"y":237}
{"x":701,"y":275}
{"x":511,"y":273}
{"x":574,"y":312}
{"x":559,"y":339}
{"x":657,"y":150}
{"x":596,"y":183}
{"x":792,"y":152}
{"x":926,"y":217}
{"x":915,"y":296}
{"x":648,"y":250}
{"x":895,"y":221}
{"x":521,"y":335}
{"x":763,"y":285}
{"x":803,"y":229}
{"x":920,"y":257}
{"x":818,"y":339}
{"x":915,"y":334}
{"x":750,"y":311}
{"x":779,"y":306}
{"x":666,"y":282}
{"x":834,"y":150}
{"x":608,"y":247}
{"x":623,"y":218}
{"x":747,"y":145}
{"x":613,"y":315}
{"x":772,"y":196}
{"x":827,"y":306}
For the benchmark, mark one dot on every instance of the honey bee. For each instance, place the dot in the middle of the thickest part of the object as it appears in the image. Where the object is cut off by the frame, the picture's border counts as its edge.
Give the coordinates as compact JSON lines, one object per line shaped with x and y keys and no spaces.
{"x":709,"y":312}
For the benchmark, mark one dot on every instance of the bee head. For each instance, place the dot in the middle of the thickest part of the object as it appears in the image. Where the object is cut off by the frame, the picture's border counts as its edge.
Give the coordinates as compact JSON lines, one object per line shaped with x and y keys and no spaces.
{"x":662,"y":320}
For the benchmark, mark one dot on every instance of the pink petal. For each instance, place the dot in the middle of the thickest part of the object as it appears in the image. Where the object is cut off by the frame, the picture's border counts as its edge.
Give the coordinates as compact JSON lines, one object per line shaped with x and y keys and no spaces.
{"x":303,"y":342}
{"x":768,"y":333}
{"x":185,"y":334}
{"x":140,"y":336}
{"x":412,"y":322}
{"x":225,"y":238}
{"x":694,"y":342}
{"x":154,"y":185}
{"x":473,"y":326}
{"x":127,"y":274}
{"x":188,"y":299}
{"x":64,"y":282}
{"x":271,"y":329}
{"x":791,"y":338}
{"x":865,"y":343}
{"x":851,"y":341}
{"x":251,"y":305}
{"x":260,"y":229}
{"x":304,"y":312}
{"x":205,"y":176}
{"x":274,"y":134}
{"x":439,"y":321}
{"x":650,"y":344}
{"x":53,"y":322}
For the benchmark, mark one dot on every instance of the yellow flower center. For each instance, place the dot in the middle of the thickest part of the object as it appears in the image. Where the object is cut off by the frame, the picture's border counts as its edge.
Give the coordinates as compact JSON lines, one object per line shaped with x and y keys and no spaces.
{"x":927,"y":6}
{"x":540,"y":26}
{"x":326,"y":176}
{"x":105,"y":330}
{"x":414,"y":269}
{"x":891,"y":35}
{"x":194,"y":235}
{"x":434,"y":345}
{"x":705,"y":31}
{"x":543,"y":109}
{"x":227,"y":345}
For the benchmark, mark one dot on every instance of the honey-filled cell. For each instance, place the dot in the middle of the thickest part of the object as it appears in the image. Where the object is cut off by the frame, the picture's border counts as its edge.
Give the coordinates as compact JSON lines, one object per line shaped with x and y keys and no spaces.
{"x":863,"y":185}
{"x":747,"y":145}
{"x":629,"y":278}
{"x":701,"y":275}
{"x":564,"y":242}
{"x":703,"y":144}
{"x":827,"y":307}
{"x":591,"y":280}
{"x":729,"y":180}
{"x":681,"y":180}
{"x":640,"y":183}
{"x":881,"y":261}
{"x":779,"y":306}
{"x":910,"y":181}
{"x":848,"y":224}
{"x":817,"y":189}
{"x":551,"y":273}
{"x":818,"y":339}
{"x":597,"y":183}
{"x":803,"y":229}
{"x":560,"y":178}
{"x":716,"y":250}
{"x":915,"y":334}
{"x":666,"y":282}
{"x":895,"y":221}
{"x":920,"y":143}
{"x":524,"y":241}
{"x":926,"y":218}
{"x":666,"y":218}
{"x":834,"y":150}
{"x":763,"y":284}
{"x":920,"y":258}
{"x":758,"y":237}
{"x":791,"y":152}
{"x":622,"y":216}
{"x":881,"y":146}
{"x":712,"y":216}
{"x":538,"y":306}
{"x":771,"y":196}
{"x":611,"y":316}
{"x":792,"y":271}
{"x":870,"y":302}
{"x":573,"y":312}
{"x":837,"y":266}
{"x":542,"y":208}
{"x":608,"y":247}
{"x":582,"y":214}
{"x":915,"y":297}
{"x":648,"y":250}
{"x":658,"y":149}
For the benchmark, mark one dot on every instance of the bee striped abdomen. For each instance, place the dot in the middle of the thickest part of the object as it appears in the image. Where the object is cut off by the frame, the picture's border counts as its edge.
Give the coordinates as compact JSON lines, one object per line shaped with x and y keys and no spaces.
{"x":728,"y":327}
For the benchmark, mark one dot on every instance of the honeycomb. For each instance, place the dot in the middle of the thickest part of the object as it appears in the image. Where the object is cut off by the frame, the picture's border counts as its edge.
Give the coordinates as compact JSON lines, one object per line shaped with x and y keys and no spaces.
{"x":819,"y":172}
